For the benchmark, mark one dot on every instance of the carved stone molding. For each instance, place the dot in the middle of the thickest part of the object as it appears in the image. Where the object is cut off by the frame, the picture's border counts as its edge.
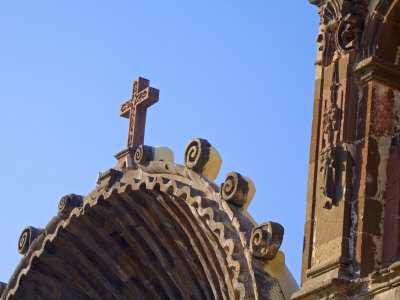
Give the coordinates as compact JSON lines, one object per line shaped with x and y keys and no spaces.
{"x":376,"y":69}
{"x":338,"y":262}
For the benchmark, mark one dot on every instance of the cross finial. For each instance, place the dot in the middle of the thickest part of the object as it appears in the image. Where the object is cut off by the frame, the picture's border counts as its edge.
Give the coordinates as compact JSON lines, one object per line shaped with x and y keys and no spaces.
{"x":135,"y":109}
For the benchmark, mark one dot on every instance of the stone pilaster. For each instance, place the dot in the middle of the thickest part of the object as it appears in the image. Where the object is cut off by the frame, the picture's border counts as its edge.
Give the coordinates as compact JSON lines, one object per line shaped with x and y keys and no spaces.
{"x":353,"y":198}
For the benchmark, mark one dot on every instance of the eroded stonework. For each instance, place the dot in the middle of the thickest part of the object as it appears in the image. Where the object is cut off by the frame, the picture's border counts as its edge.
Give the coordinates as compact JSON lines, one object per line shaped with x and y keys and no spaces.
{"x":353,"y":199}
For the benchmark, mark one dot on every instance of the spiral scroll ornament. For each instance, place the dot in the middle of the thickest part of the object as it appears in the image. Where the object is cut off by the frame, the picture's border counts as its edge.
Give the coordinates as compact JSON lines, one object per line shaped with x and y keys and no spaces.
{"x":23,"y":243}
{"x":266,"y":240}
{"x":235,"y":189}
{"x":68,"y":203}
{"x":197,"y":154}
{"x":143,"y":154}
{"x":28,"y":235}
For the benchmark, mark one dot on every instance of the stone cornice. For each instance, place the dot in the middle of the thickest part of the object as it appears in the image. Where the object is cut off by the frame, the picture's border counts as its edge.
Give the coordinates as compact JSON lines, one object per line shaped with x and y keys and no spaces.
{"x":339,"y":262}
{"x":378,"y":70}
{"x":324,"y":289}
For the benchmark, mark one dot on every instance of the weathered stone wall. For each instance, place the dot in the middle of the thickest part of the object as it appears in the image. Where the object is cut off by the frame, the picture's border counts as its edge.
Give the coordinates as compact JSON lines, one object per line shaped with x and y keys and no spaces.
{"x":352,"y":215}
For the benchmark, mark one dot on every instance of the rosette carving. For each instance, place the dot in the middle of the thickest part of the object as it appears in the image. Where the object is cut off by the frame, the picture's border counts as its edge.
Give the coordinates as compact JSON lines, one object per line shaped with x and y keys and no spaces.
{"x":28,"y":235}
{"x":266,"y":240}
{"x":68,"y":203}
{"x":143,"y":154}
{"x":201,"y":157}
{"x":237,"y":189}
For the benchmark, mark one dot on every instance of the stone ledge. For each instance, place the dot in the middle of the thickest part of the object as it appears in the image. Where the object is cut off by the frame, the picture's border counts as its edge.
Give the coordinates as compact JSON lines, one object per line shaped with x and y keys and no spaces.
{"x":324,"y":288}
{"x":338,"y":262}
{"x":376,"y":69}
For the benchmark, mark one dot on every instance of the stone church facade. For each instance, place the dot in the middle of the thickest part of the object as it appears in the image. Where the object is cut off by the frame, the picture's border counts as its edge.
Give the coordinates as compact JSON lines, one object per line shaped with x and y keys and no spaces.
{"x":154,"y":229}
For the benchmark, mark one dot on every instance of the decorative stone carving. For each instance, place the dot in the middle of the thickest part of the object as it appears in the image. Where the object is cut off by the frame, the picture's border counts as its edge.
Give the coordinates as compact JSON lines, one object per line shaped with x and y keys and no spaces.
{"x":349,"y":32}
{"x":202,"y":157}
{"x":341,"y":28}
{"x":135,"y":108}
{"x":113,"y":219}
{"x":328,"y":169}
{"x":145,"y":153}
{"x":331,"y":120}
{"x":332,"y":11}
{"x":237,"y":189}
{"x":266,"y":240}
{"x":331,"y":116}
{"x":68,"y":203}
{"x":201,"y":249}
{"x":28,"y":235}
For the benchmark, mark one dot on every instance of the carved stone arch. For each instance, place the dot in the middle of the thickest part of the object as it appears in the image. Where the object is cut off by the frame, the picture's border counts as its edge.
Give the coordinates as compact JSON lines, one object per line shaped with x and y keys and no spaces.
{"x":389,"y":36}
{"x":160,"y":232}
{"x":382,"y":32}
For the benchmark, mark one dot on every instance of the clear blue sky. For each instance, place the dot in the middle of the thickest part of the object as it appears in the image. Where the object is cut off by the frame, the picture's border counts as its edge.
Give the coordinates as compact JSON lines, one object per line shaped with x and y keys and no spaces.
{"x":238,"y":73}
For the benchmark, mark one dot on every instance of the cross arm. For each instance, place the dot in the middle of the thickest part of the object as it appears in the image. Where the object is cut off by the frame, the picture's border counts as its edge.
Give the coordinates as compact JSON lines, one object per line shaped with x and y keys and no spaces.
{"x":143,"y":99}
{"x":125,"y":108}
{"x":147,"y":97}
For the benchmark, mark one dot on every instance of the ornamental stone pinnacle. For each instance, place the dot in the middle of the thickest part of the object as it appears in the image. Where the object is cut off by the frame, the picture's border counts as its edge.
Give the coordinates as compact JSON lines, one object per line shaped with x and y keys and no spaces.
{"x":143,"y":96}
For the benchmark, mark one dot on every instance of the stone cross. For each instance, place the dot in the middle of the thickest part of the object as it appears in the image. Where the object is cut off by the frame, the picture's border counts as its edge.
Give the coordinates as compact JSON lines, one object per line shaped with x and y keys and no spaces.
{"x":135,"y":109}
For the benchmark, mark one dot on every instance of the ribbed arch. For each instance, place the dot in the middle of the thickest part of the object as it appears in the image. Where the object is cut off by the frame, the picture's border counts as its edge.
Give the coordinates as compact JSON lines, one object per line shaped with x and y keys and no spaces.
{"x":132,"y":243}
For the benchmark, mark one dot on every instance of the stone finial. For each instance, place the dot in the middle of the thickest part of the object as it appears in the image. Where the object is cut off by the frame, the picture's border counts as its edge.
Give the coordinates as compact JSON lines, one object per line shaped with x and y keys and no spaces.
{"x":68,"y":203}
{"x":266,"y":240}
{"x":202,"y":157}
{"x":28,"y":235}
{"x":238,"y":189}
{"x":145,"y":153}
